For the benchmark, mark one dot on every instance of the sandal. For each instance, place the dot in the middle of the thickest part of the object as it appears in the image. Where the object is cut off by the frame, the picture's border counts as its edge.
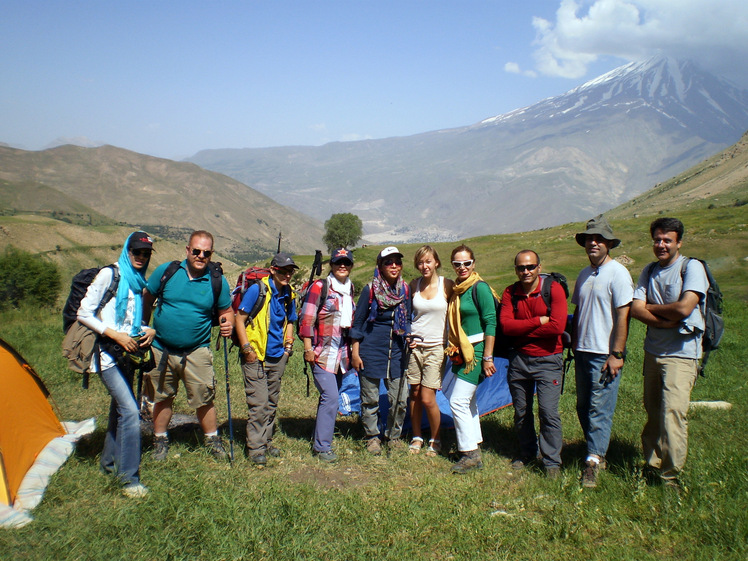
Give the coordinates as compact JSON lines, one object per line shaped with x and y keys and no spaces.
{"x":416,"y":443}
{"x":435,"y":447}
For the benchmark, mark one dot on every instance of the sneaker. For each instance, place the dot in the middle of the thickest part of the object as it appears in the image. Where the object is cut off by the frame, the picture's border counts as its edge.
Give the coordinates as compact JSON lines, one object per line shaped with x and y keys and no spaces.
{"x":215,"y":447}
{"x":519,"y":463}
{"x":160,"y":448}
{"x":374,"y":446}
{"x":258,"y":459}
{"x":435,"y":448}
{"x":328,"y":457}
{"x":589,"y":475}
{"x":552,"y":472}
{"x":470,"y":461}
{"x":136,"y":491}
{"x":273,"y":451}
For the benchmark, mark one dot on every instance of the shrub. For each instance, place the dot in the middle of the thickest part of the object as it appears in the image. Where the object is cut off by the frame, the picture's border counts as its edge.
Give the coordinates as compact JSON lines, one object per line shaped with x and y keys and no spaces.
{"x":27,"y":278}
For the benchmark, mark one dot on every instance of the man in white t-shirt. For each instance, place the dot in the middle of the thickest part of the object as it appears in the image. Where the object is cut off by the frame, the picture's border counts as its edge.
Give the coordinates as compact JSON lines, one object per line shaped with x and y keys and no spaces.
{"x":602,"y":296}
{"x":669,"y":299}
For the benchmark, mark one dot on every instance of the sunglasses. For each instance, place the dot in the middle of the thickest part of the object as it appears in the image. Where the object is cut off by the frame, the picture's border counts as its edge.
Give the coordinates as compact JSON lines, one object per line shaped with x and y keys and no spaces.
{"x":466,"y":264}
{"x":390,"y":262}
{"x":285,"y":272}
{"x":344,"y":263}
{"x":141,"y":252}
{"x":520,"y":268}
{"x":206,"y":252}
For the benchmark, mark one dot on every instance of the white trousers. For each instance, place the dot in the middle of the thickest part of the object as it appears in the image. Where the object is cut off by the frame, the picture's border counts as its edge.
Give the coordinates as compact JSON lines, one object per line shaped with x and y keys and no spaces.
{"x":465,"y":414}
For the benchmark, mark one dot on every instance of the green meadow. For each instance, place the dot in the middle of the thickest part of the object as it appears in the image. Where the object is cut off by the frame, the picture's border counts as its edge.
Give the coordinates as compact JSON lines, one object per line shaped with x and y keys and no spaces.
{"x":399,"y":506}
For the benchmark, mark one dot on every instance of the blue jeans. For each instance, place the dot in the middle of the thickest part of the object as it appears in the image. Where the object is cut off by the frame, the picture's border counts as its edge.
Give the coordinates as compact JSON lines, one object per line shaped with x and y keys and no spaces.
{"x":121,"y":453}
{"x":328,"y":385}
{"x":596,"y":402}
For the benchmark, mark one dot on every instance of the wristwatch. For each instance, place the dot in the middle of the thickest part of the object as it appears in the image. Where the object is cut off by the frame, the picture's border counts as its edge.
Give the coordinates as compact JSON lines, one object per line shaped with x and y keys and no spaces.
{"x":620,"y":355}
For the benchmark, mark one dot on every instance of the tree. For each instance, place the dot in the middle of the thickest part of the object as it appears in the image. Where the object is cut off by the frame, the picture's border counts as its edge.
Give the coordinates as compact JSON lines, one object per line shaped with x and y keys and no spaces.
{"x":342,"y":230}
{"x":27,"y":278}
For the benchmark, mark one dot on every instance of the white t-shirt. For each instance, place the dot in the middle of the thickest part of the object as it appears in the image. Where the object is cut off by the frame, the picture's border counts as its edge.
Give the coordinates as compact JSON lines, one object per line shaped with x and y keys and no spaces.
{"x":597,"y":295}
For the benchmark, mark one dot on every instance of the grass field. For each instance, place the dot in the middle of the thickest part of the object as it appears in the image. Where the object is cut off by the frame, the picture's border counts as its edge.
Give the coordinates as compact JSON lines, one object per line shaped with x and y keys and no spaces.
{"x":412,"y":507}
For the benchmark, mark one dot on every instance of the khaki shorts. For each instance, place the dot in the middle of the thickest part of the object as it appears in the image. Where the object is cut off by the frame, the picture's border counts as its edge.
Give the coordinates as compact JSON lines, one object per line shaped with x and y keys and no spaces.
{"x":195,"y":369}
{"x":426,"y":367}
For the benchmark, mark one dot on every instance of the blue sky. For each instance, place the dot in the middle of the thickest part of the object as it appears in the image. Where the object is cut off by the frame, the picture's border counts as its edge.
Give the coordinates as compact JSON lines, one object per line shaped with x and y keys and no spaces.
{"x":172,"y":78}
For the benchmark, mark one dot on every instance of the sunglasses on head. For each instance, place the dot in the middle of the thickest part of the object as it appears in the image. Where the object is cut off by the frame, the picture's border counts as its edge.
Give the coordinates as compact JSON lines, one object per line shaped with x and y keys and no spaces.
{"x":466,"y":264}
{"x":392,"y":261}
{"x":520,"y":268}
{"x":206,"y":252}
{"x":141,"y":252}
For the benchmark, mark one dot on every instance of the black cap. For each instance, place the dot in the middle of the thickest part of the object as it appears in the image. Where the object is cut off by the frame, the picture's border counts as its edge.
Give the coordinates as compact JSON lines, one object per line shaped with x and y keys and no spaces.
{"x":140,"y":240}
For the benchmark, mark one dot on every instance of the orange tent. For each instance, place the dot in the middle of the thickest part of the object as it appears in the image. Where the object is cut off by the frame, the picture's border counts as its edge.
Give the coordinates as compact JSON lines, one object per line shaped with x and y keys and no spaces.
{"x":27,"y":423}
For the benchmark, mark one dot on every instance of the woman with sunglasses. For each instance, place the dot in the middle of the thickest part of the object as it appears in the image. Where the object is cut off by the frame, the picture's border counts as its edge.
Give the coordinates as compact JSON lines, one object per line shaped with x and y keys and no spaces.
{"x":471,"y":335}
{"x":326,"y":317}
{"x":380,"y":324}
{"x":431,"y":292}
{"x":120,"y":322}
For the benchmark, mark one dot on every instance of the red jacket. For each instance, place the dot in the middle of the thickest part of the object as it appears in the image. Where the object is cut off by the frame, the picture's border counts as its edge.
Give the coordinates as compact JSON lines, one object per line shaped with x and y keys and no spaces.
{"x":530,"y":337}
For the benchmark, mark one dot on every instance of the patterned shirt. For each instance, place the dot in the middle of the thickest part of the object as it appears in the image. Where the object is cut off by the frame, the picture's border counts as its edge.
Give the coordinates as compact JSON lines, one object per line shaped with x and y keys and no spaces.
{"x":331,"y":343}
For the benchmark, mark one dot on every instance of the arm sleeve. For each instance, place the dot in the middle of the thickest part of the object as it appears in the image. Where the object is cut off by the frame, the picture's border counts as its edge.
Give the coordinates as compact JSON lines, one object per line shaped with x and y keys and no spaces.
{"x":249,"y":299}
{"x":309,"y":310}
{"x":359,"y":317}
{"x":695,"y":279}
{"x":511,"y":326}
{"x":559,"y":311}
{"x":487,"y":309}
{"x":92,"y":299}
{"x":640,"y":292}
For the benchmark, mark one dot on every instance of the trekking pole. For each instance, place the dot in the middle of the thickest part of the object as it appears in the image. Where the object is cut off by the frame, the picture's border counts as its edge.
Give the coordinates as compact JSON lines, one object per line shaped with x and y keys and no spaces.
{"x":228,"y":398}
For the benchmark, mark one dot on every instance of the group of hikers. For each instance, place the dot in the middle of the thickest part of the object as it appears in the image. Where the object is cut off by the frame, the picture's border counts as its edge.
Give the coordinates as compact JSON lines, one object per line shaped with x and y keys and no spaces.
{"x":397,"y":331}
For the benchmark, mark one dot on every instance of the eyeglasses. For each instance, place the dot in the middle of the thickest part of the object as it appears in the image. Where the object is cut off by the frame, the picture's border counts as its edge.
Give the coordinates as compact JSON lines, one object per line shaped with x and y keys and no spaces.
{"x":520,"y":268}
{"x":206,"y":252}
{"x":344,"y":263}
{"x":466,"y":264}
{"x":141,"y":252}
{"x":390,"y":262}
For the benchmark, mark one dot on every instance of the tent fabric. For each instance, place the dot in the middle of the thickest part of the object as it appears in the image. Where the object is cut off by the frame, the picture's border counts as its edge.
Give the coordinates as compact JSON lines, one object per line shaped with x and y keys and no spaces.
{"x":33,"y":442}
{"x":492,"y":394}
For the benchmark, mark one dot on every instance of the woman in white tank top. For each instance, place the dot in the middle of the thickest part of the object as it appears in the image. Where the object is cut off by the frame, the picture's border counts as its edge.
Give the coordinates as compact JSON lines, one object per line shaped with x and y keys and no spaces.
{"x":431,"y":293}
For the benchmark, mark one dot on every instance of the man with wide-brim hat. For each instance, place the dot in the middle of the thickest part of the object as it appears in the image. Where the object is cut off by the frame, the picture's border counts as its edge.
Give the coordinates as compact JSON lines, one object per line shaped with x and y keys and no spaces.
{"x":602,"y":296}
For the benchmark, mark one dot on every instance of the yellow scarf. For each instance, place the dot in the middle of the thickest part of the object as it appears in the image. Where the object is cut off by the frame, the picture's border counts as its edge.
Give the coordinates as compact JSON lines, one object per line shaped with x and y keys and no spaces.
{"x":457,"y":337}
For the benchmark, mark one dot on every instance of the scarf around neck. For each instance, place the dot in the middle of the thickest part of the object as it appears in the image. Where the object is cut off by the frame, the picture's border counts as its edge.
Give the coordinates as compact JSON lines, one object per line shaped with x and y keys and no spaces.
{"x":346,"y":290}
{"x":385,"y":296}
{"x":457,"y":336}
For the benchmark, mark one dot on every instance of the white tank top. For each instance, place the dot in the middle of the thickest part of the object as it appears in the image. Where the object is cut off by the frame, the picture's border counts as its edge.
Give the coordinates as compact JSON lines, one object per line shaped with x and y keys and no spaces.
{"x":430,"y":316}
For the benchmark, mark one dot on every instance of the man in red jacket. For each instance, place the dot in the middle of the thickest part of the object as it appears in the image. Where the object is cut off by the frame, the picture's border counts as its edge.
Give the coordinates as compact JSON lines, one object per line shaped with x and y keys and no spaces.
{"x":536,"y":363}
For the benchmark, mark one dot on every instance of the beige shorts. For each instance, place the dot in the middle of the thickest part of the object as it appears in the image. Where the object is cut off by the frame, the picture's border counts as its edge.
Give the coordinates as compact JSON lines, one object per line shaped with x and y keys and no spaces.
{"x":426,"y":367}
{"x":195,"y":369}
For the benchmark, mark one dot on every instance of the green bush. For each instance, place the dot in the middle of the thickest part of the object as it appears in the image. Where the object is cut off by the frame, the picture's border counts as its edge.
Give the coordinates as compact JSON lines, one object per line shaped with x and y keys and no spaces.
{"x":27,"y":278}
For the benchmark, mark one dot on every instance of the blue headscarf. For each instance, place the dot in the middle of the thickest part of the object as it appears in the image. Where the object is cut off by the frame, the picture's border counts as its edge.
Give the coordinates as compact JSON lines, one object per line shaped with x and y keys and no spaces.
{"x":130,"y":280}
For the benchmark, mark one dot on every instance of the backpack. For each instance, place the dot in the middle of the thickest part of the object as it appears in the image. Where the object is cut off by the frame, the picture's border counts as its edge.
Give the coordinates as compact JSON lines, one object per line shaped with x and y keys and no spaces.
{"x":80,"y":344}
{"x":503,"y":343}
{"x":714,"y":324}
{"x":247,"y":278}
{"x":215,"y":270}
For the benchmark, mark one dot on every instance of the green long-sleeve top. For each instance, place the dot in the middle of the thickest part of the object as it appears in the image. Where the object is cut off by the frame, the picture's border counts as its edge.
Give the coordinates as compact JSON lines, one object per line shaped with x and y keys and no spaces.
{"x":474,"y":323}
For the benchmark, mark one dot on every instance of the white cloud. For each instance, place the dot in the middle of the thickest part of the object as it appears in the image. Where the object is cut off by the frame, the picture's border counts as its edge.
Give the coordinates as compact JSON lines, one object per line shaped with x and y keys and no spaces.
{"x":513,"y":68}
{"x":712,"y":32}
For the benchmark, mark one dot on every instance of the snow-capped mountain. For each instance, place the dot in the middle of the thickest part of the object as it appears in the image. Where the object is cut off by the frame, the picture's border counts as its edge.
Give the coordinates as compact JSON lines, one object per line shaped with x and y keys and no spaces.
{"x":565,"y":158}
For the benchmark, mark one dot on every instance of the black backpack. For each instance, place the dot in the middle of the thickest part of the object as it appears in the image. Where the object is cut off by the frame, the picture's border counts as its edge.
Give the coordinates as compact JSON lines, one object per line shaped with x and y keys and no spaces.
{"x":714,"y":324}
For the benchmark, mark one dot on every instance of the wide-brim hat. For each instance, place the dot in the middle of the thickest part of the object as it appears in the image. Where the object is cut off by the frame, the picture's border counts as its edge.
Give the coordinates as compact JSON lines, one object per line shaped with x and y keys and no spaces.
{"x":388,"y":252}
{"x":283,"y":260}
{"x":598,"y":225}
{"x":140,"y":240}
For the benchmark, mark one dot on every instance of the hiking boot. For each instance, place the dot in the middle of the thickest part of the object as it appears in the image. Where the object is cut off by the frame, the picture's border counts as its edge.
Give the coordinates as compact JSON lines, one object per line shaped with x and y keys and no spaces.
{"x":215,"y":447}
{"x":136,"y":491}
{"x":328,"y":456}
{"x":258,"y":459}
{"x":470,"y":461}
{"x":273,"y":452}
{"x":519,"y":463}
{"x":160,"y":448}
{"x":552,"y":472}
{"x":589,"y":475}
{"x":374,"y":446}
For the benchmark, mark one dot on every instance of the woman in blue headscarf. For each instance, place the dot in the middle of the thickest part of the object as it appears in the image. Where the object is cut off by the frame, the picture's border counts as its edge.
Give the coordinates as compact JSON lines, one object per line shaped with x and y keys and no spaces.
{"x":120,"y":324}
